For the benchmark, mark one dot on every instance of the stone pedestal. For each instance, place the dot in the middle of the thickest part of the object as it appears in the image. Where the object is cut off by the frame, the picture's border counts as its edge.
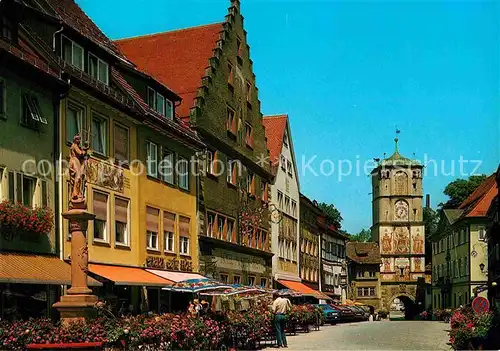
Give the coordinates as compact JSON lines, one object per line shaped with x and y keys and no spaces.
{"x":78,"y":303}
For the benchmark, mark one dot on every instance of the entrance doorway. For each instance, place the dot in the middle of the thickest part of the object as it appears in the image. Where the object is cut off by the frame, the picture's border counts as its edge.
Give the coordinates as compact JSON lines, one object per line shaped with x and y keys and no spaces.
{"x":403,"y":307}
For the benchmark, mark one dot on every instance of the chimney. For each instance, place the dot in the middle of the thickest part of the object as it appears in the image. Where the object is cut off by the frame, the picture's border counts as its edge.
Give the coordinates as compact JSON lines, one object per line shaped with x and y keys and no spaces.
{"x":427,"y":201}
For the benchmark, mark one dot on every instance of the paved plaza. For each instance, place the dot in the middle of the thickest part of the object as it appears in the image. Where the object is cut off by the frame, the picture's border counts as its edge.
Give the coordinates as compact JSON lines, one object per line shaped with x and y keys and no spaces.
{"x":385,"y":335}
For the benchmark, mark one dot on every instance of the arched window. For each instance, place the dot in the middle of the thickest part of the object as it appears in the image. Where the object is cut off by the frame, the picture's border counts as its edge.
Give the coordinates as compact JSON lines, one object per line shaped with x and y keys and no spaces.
{"x":401,"y":182}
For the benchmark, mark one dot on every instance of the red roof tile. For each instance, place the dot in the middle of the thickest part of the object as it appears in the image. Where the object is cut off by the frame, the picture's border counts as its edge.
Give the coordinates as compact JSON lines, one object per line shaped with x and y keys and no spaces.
{"x":477,"y":204}
{"x":177,"y":59}
{"x":275,"y":129}
{"x":72,"y":15}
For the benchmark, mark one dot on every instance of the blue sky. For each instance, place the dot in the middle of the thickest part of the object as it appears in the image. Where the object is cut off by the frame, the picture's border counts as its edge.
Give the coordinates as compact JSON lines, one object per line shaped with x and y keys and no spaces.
{"x":348,"y":73}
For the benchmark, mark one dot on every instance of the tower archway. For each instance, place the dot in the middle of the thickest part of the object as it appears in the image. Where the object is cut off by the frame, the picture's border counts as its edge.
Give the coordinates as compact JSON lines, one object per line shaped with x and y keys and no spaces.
{"x":403,"y":302}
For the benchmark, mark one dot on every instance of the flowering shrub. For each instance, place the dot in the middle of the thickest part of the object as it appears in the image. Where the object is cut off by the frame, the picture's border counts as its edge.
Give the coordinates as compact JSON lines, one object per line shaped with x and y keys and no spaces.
{"x":424,"y":315}
{"x":15,"y":216}
{"x":443,"y":315}
{"x":157,"y":332}
{"x":469,"y":329}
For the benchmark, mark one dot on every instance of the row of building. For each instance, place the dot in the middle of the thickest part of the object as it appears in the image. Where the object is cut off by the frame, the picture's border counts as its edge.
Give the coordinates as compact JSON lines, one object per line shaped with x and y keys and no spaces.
{"x":186,"y":176}
{"x":465,"y":249}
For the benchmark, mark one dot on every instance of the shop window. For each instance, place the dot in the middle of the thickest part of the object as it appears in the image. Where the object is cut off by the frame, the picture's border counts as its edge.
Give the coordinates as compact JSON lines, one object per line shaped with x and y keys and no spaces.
{"x":152,"y":228}
{"x":121,"y":221}
{"x":100,"y":208}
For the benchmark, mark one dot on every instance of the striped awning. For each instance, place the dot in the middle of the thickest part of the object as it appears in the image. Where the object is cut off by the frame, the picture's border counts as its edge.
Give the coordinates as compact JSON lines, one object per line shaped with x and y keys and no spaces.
{"x":26,"y":268}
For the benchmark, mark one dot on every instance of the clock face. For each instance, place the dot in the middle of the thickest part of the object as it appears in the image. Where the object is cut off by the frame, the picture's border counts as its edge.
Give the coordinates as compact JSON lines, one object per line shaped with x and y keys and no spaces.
{"x":401,"y":210}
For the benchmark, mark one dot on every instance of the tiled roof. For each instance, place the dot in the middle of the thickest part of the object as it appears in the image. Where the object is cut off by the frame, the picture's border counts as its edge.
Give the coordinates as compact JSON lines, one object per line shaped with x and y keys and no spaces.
{"x":477,"y":204}
{"x":180,"y":128}
{"x":275,"y":129}
{"x":363,"y":253}
{"x":26,"y":54}
{"x":72,"y":15}
{"x":177,"y":59}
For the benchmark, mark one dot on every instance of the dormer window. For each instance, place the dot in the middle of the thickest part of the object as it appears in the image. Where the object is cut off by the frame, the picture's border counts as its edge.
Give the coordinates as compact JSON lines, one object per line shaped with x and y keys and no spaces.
{"x":160,"y":104}
{"x":98,"y":69}
{"x":72,"y":53}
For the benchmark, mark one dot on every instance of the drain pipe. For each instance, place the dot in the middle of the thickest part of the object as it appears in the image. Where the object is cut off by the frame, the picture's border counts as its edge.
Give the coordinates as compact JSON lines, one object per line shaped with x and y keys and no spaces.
{"x":54,"y":38}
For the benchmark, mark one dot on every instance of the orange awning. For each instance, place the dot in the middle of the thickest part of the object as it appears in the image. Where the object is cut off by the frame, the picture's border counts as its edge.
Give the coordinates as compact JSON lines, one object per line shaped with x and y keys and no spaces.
{"x":304,"y":289}
{"x":121,"y":275}
{"x":25,"y":268}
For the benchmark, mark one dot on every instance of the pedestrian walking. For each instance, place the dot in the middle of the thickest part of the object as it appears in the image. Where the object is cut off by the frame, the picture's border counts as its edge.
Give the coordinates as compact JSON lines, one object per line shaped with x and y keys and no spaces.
{"x":281,"y":308}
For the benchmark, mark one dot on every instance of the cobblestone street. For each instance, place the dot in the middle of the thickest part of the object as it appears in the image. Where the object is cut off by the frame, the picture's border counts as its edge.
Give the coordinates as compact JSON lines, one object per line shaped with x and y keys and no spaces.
{"x":387,"y":335}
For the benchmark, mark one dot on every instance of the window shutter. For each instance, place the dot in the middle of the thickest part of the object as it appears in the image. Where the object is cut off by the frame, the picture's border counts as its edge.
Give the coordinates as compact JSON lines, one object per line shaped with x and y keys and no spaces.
{"x":45,"y":195}
{"x":169,"y":222}
{"x":152,"y":219}
{"x":121,"y":143}
{"x":184,"y":223}
{"x":121,"y":210}
{"x":11,"y":183}
{"x":100,"y":206}
{"x":19,"y":187}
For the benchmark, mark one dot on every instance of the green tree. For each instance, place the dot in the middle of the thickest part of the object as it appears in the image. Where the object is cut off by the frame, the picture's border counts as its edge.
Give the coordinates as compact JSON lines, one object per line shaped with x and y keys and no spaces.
{"x":333,"y":215}
{"x":458,"y":190}
{"x":365,"y":235}
{"x":431,"y":220}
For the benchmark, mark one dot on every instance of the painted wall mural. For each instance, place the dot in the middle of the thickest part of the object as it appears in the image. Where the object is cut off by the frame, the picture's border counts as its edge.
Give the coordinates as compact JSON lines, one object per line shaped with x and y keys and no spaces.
{"x":387,"y":241}
{"x":418,"y":245}
{"x":401,"y":240}
{"x":402,"y":268}
{"x":417,"y":264}
{"x":387,"y":264}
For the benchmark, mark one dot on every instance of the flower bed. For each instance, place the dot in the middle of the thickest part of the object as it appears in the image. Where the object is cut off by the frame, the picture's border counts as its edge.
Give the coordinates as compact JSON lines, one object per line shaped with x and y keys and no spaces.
{"x":15,"y":217}
{"x":159,"y":332}
{"x":443,"y":315}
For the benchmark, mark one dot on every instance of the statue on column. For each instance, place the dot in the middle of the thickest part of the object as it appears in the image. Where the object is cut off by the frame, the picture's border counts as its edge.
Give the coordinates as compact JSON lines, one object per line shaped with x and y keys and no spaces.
{"x":77,"y":162}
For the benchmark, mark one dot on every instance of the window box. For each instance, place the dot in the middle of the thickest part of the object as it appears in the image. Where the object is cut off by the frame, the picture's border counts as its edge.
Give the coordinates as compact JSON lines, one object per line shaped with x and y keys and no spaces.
{"x":17,"y":218}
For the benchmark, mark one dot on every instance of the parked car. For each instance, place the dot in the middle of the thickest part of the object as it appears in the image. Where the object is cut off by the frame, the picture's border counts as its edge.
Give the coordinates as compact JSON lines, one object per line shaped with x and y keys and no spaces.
{"x":360,"y":313}
{"x":331,"y":314}
{"x":346,"y":315}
